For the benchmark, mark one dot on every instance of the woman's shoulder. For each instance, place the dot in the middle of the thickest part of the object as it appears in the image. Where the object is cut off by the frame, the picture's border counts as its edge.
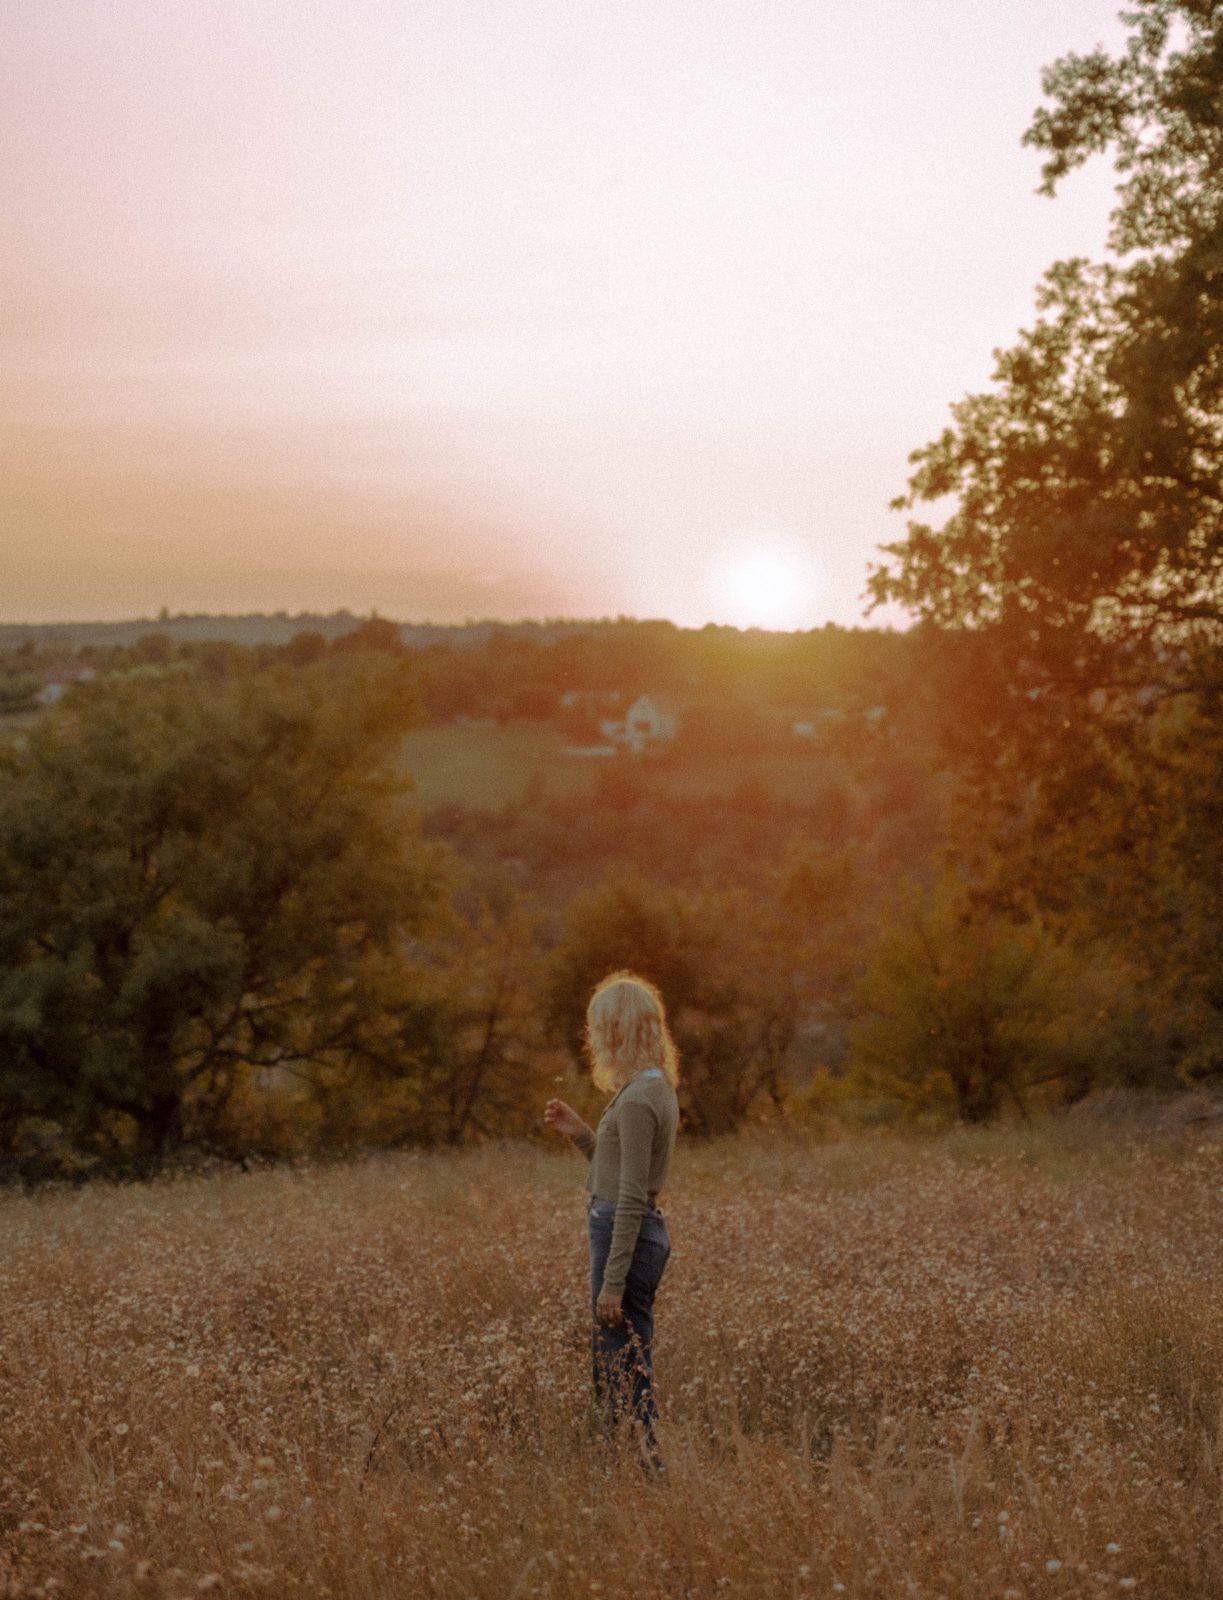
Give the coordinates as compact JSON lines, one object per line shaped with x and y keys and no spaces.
{"x":652,"y":1085}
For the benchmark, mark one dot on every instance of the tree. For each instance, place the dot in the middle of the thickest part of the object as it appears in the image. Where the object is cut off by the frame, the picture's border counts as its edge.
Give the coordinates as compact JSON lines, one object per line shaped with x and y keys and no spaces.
{"x":306,"y":646}
{"x":956,"y":1010}
{"x":18,"y":691}
{"x":1075,"y":592}
{"x":198,"y":878}
{"x":458,"y":1053}
{"x":729,"y":971}
{"x":1090,"y":482}
{"x":373,"y":634}
{"x":485,"y":1071}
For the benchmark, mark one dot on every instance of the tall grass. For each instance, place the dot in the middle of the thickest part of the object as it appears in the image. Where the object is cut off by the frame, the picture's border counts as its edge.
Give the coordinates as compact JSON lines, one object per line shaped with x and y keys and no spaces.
{"x":984,"y":1365}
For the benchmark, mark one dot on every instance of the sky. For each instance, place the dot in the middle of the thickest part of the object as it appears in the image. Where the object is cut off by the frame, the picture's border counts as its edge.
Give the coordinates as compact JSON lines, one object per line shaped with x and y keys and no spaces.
{"x":458,"y":309}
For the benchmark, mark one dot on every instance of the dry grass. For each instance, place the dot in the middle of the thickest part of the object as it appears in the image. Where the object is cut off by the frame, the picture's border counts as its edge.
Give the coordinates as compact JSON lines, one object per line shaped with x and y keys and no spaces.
{"x":987,"y":1365}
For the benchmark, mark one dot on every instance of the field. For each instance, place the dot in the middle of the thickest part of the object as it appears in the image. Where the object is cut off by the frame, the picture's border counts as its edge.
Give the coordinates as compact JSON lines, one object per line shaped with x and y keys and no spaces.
{"x":491,"y":764}
{"x":985,"y":1364}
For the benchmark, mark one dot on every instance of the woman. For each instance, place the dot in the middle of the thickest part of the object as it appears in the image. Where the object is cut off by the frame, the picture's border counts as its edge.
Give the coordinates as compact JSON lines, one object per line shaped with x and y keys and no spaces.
{"x":631,"y":1053}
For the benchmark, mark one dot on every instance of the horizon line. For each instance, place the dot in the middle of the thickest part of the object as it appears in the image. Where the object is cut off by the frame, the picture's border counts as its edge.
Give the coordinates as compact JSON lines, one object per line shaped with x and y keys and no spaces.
{"x":159,"y":619}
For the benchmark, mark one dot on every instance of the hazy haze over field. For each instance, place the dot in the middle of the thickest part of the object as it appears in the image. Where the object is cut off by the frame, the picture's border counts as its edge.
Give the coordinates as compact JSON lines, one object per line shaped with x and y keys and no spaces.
{"x":503,"y":310}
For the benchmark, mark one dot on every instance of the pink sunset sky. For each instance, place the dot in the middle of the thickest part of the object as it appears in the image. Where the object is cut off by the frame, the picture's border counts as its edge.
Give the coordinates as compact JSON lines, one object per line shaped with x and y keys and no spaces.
{"x":526,"y":308}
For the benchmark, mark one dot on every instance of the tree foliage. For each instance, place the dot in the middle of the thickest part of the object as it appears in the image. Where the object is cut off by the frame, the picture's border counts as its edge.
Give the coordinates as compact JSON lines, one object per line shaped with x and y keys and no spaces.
{"x":1089,"y":482}
{"x":737,"y":975}
{"x":948,"y":1016}
{"x":1073,"y":597}
{"x":199,"y":879}
{"x":466,"y":1051}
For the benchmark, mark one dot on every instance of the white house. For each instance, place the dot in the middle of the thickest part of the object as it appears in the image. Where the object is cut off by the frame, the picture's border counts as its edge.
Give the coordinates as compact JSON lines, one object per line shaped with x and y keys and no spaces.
{"x":650,"y":722}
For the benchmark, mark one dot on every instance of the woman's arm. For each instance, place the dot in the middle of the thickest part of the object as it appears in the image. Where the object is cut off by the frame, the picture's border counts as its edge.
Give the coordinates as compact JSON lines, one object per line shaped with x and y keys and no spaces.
{"x":585,"y":1140}
{"x":566,"y":1120}
{"x":637,"y":1122}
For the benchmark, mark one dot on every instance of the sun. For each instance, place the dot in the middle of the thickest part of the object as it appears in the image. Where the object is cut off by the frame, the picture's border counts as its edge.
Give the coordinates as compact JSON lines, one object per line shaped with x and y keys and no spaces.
{"x":764,"y":580}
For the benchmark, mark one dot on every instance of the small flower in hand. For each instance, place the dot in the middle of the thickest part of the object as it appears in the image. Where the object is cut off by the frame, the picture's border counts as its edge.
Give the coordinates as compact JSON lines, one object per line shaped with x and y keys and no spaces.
{"x":608,"y":1308}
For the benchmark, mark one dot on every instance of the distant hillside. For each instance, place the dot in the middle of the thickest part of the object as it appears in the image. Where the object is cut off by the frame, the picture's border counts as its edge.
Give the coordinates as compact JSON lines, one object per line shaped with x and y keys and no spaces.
{"x":266,"y":628}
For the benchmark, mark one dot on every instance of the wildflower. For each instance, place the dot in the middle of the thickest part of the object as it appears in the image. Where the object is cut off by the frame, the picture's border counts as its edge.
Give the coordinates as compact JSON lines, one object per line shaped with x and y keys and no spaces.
{"x":1053,"y":1565}
{"x":1112,"y":1549}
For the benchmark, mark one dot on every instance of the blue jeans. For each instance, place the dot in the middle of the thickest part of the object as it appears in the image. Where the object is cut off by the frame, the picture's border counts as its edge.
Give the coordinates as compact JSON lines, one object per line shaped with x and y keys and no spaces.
{"x":622,"y":1367}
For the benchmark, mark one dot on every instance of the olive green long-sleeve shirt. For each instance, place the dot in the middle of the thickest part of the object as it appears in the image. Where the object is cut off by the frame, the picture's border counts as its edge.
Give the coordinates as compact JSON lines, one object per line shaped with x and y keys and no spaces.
{"x":630,"y":1156}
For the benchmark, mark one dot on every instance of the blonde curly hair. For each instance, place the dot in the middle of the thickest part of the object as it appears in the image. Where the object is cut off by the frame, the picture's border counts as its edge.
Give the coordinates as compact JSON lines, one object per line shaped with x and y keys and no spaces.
{"x":626,"y":1031}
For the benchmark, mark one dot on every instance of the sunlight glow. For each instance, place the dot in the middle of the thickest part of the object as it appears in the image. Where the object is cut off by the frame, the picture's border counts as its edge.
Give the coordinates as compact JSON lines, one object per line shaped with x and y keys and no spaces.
{"x":608,"y":306}
{"x":765,"y":579}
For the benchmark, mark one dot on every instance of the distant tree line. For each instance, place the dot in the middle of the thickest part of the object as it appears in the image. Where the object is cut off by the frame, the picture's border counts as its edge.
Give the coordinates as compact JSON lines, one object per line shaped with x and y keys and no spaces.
{"x":737,"y":684}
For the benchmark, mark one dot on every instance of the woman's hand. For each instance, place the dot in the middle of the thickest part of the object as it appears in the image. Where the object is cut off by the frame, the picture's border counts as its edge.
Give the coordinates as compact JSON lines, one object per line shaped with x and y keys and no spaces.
{"x":608,"y":1308}
{"x":563,"y":1118}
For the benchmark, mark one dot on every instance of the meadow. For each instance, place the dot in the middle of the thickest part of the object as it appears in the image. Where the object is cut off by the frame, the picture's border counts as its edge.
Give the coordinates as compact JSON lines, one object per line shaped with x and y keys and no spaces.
{"x":985,"y":1363}
{"x":490,"y":764}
